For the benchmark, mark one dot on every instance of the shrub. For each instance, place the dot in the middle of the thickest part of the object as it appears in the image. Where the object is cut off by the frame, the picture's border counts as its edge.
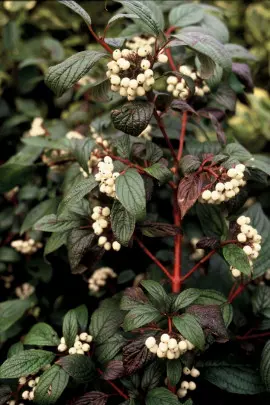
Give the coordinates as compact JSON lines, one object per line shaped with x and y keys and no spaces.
{"x":134,"y":232}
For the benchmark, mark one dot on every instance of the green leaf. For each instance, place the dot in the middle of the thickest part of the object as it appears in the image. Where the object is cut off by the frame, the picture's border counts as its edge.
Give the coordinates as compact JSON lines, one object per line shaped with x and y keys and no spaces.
{"x":50,"y":223}
{"x":133,"y":117}
{"x":119,"y":16}
{"x":25,"y":363}
{"x":48,"y":143}
{"x":265,"y":365}
{"x":212,"y":297}
{"x":239,"y":52}
{"x":237,"y":258}
{"x":14,"y":174}
{"x":153,"y":152}
{"x":78,"y":366}
{"x":237,"y":151}
{"x":261,"y":222}
{"x":15,"y":349}
{"x":140,"y":316}
{"x":44,"y":208}
{"x":238,"y":380}
{"x":208,"y":46}
{"x":185,"y":298}
{"x":211,"y":219}
{"x":156,"y":292}
{"x":261,"y":301}
{"x":81,"y":149}
{"x":82,"y":317}
{"x":161,"y":396}
{"x":55,"y":241}
{"x":51,"y":385}
{"x":259,"y":162}
{"x":11,"y":311}
{"x":76,"y":193}
{"x":190,"y":329}
{"x":130,"y":191}
{"x":110,"y":348}
{"x":174,"y":371}
{"x":143,"y":12}
{"x":159,"y":172}
{"x":78,"y":244}
{"x":104,"y":323}
{"x":70,"y":327}
{"x":123,"y":146}
{"x":185,"y":14}
{"x":77,"y":9}
{"x":41,"y":334}
{"x":151,"y":376}
{"x":122,"y":223}
{"x":216,"y":28}
{"x":9,"y":255}
{"x":64,"y":75}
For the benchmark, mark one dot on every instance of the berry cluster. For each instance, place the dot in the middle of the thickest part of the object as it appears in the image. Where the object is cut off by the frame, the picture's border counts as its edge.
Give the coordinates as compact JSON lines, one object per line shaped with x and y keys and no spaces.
{"x":37,"y":128}
{"x":81,"y":344}
{"x":54,"y":158}
{"x":188,"y":385}
{"x":228,"y":186}
{"x":74,"y":135}
{"x":139,"y":42}
{"x":249,"y":237}
{"x":130,"y":72}
{"x":100,"y":216}
{"x":168,"y":347}
{"x":24,"y":291}
{"x":178,"y":86}
{"x":27,"y":247}
{"x":99,"y":278}
{"x":99,"y":138}
{"x":106,"y":177}
{"x":29,"y":393}
{"x":146,"y":133}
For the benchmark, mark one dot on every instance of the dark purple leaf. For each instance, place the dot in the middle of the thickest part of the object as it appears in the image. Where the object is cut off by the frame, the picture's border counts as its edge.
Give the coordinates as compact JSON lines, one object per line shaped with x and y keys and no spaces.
{"x":115,"y":369}
{"x":208,"y":242}
{"x":92,"y":398}
{"x":79,"y":243}
{"x":189,"y":190}
{"x":132,"y":296}
{"x":157,"y":229}
{"x":182,"y":106}
{"x":225,"y":97}
{"x":211,"y":320}
{"x":243,"y":72}
{"x":132,"y":118}
{"x":135,"y":355}
{"x":189,"y":163}
{"x":216,"y":124}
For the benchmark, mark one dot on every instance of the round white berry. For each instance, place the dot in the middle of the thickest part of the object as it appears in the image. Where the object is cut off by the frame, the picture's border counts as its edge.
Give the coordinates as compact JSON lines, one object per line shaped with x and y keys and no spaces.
{"x":150,"y":342}
{"x":239,"y":175}
{"x":85,"y":347}
{"x":83,"y":336}
{"x":241,"y":220}
{"x":89,"y":338}
{"x":115,"y":88}
{"x":123,"y":92}
{"x":228,"y":185}
{"x":219,"y":186}
{"x":192,"y":386}
{"x":206,"y":195}
{"x":115,"y":79}
{"x":172,"y":344}
{"x":175,"y":93}
{"x":145,"y":64}
{"x":154,"y":349}
{"x":241,"y":237}
{"x":22,"y":380}
{"x":247,"y":249}
{"x":172,"y":80}
{"x":140,"y":91}
{"x":31,"y":383}
{"x":254,"y":255}
{"x":125,"y":82}
{"x":106,"y":211}
{"x":25,"y":394}
{"x":78,"y":345}
{"x":164,"y":338}
{"x":116,"y":54}
{"x":116,"y":246}
{"x":229,"y":193}
{"x":184,"y":385}
{"x":72,"y":350}
{"x":148,"y":73}
{"x":232,"y":173}
{"x":182,"y":345}
{"x":133,"y":84}
{"x":180,"y":86}
{"x":63,"y":340}
{"x":141,"y":78}
{"x":162,"y":58}
{"x":62,"y":347}
{"x":125,"y":53}
{"x":31,"y":395}
{"x":194,"y":372}
{"x":142,"y":51}
{"x":131,"y":98}
{"x":181,"y":393}
{"x":131,"y":92}
{"x":79,"y":351}
{"x":161,"y":354}
{"x":102,"y":240}
{"x":215,"y":195}
{"x":234,"y":182}
{"x":163,"y":346}
{"x":170,"y":88}
{"x":125,"y":65}
{"x":170,"y":355}
{"x":190,"y":345}
{"x":257,"y":247}
{"x":240,"y":168}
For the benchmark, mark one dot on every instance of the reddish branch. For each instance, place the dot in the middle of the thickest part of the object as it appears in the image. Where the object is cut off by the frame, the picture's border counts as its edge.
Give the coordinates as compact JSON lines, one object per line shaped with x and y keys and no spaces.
{"x":155,"y":260}
{"x":168,"y":50}
{"x":118,"y":390}
{"x":182,"y":135}
{"x":255,"y":336}
{"x":176,"y":283}
{"x":100,"y":40}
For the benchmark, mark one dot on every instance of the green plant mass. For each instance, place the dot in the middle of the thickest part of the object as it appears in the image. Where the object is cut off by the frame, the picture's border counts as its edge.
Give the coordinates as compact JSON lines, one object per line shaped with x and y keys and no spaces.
{"x":134,"y":205}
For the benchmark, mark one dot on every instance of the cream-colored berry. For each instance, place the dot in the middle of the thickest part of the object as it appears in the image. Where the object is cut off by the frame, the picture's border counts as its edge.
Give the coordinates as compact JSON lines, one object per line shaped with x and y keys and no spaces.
{"x":25,"y":394}
{"x":172,"y":80}
{"x":161,"y":354}
{"x":90,"y":337}
{"x":163,"y":346}
{"x":150,"y":342}
{"x":182,"y":345}
{"x":257,"y":247}
{"x":79,"y":351}
{"x":219,"y":186}
{"x":236,"y":273}
{"x":240,"y":168}
{"x":31,"y":395}
{"x":184,"y":385}
{"x":232,"y":172}
{"x":192,"y":386}
{"x":228,"y":185}
{"x":181,"y":393}
{"x":72,"y":350}
{"x":22,"y":380}
{"x":140,"y":91}
{"x":116,"y":54}
{"x":194,"y":372}
{"x":164,"y":338}
{"x":148,"y":73}
{"x":172,"y":344}
{"x":206,"y":195}
{"x":175,"y":93}
{"x":142,"y":52}
{"x":83,"y":336}
{"x":145,"y":64}
{"x":162,"y":58}
{"x":190,"y":345}
{"x":133,"y":84}
{"x":31,"y":383}
{"x":125,"y":82}
{"x":78,"y":345}
{"x":241,"y":220}
{"x":154,"y":349}
{"x":62,"y":347}
{"x":247,"y":249}
{"x":215,"y":195}
{"x":170,"y":355}
{"x":85,"y":347}
{"x":141,"y":78}
{"x":123,"y":92}
{"x":241,"y":237}
{"x":116,"y":246}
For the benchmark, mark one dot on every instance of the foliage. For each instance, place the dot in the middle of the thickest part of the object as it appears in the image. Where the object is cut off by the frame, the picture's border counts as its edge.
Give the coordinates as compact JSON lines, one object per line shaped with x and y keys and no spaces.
{"x":134,"y":224}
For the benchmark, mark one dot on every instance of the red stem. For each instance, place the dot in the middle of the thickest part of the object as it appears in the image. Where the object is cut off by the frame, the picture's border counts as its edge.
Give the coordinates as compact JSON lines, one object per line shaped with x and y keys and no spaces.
{"x":239,"y":290}
{"x":118,"y":390}
{"x":258,"y":335}
{"x":232,"y":290}
{"x":100,"y":40}
{"x":176,"y":283}
{"x":164,"y":133}
{"x":155,"y":260}
{"x":168,"y":50}
{"x":169,"y":325}
{"x":182,"y":135}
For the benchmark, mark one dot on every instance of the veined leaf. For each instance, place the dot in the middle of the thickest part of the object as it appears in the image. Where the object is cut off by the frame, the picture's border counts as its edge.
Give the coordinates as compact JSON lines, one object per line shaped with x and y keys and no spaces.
{"x":51,"y":385}
{"x":77,"y":9}
{"x":190,"y":328}
{"x":41,"y":334}
{"x":122,"y":222}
